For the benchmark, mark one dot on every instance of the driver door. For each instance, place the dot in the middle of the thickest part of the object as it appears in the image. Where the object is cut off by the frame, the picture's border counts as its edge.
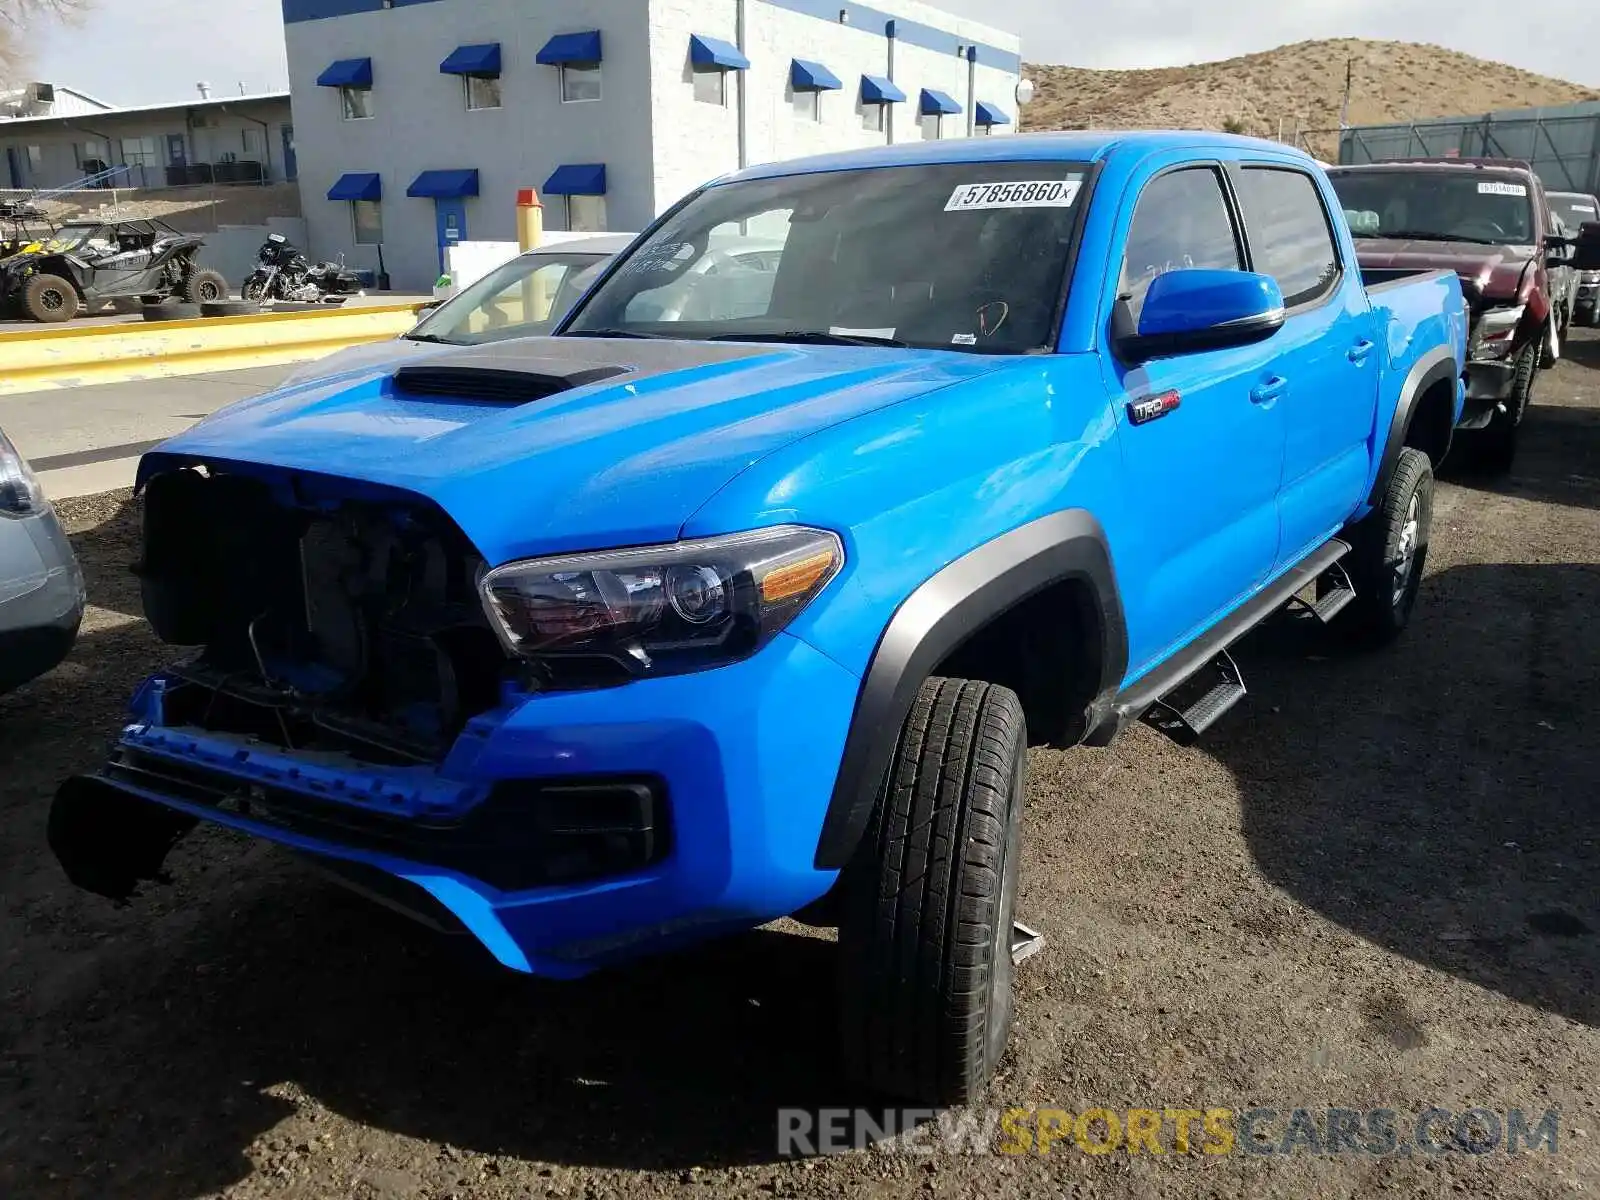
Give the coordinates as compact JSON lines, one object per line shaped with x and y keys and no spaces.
{"x":1204,"y":474}
{"x":121,"y":272}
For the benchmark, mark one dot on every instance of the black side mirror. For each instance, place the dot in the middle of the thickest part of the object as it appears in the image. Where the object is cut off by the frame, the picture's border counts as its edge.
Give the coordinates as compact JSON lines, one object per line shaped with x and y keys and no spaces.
{"x":1586,"y":252}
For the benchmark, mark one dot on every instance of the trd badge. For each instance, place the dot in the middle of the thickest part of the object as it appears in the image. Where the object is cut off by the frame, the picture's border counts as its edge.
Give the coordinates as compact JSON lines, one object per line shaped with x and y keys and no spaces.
{"x":1141,"y":411}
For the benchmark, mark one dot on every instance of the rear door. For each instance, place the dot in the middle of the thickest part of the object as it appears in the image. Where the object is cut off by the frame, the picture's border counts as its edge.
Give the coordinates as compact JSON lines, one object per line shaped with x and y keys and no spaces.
{"x":1328,"y":351}
{"x":1205,"y":475}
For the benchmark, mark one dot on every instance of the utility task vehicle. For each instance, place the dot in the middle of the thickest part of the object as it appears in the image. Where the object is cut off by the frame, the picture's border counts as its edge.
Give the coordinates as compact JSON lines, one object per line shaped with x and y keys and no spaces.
{"x":89,"y":263}
{"x":686,"y":618}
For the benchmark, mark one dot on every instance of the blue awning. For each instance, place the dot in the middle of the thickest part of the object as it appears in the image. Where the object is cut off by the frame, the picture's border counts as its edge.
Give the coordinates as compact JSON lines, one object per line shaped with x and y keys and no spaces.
{"x":989,"y":114}
{"x":812,"y":77}
{"x":938,"y":103}
{"x":577,"y":179}
{"x":714,"y":52}
{"x":347,"y":72}
{"x":444,"y":185}
{"x":875,"y":89}
{"x":571,"y":48}
{"x":359,"y":186}
{"x":481,"y":60}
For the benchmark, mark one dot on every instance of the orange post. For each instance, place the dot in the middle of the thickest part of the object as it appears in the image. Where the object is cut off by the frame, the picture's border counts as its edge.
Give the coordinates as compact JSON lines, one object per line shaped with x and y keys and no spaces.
{"x":530,"y":219}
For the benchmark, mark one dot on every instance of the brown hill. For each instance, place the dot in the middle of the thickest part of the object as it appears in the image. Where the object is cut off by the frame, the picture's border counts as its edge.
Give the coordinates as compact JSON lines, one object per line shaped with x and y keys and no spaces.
{"x":1300,"y":86}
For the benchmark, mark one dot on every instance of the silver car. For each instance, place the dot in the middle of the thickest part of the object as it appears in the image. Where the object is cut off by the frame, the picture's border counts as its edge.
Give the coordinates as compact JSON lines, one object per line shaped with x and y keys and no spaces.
{"x":524,"y":297}
{"x":41,"y":585}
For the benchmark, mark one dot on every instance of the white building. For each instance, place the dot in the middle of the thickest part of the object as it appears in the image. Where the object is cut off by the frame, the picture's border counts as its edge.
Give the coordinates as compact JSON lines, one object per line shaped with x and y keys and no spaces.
{"x":418,"y":121}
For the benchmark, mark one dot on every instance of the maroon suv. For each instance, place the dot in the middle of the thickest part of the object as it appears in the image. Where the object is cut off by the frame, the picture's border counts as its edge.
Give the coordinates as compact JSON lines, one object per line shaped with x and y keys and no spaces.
{"x":1488,"y":221}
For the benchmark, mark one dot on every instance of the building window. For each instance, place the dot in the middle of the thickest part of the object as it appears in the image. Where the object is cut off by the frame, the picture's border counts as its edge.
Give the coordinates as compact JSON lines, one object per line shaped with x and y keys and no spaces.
{"x":872,"y":117}
{"x":580,"y":82}
{"x":140,"y":156}
{"x":368,"y":218}
{"x":356,"y":103}
{"x":711,"y":85}
{"x":94,"y":151}
{"x":483,"y":91}
{"x":808,"y":104}
{"x":251,"y":142}
{"x":932,"y":126}
{"x":586,"y":214}
{"x":35,"y":157}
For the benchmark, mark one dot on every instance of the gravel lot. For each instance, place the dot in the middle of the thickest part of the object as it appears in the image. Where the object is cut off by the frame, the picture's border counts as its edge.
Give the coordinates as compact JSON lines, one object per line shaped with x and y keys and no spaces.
{"x":1376,"y":885}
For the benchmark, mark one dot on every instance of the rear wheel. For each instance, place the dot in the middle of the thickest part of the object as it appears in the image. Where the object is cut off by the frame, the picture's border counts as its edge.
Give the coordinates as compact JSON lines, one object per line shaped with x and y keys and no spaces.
{"x":205,"y":287}
{"x":50,"y":299}
{"x":1388,"y":553}
{"x":925,"y":913}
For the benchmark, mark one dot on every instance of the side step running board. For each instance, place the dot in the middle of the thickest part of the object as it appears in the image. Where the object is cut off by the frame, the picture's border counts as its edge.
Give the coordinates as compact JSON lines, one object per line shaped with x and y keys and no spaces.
{"x":1337,"y":594}
{"x":1150,"y":698}
{"x":1185,"y":726}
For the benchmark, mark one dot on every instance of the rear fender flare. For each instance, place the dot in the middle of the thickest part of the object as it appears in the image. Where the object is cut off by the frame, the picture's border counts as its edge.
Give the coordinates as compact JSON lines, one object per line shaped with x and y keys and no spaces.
{"x":936,"y":618}
{"x":1436,"y":366}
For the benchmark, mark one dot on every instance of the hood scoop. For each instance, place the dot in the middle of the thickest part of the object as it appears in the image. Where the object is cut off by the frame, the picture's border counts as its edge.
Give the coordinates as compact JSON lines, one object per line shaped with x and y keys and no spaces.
{"x":523,"y":370}
{"x":490,"y":382}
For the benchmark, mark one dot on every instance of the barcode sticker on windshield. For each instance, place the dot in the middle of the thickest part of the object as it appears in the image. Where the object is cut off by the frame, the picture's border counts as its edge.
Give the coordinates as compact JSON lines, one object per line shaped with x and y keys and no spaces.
{"x":1036,"y":193}
{"x":1502,"y":189}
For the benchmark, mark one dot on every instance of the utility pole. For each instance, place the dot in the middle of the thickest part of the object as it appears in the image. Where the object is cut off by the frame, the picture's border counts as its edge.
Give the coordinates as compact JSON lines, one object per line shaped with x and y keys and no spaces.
{"x":1344,"y":109}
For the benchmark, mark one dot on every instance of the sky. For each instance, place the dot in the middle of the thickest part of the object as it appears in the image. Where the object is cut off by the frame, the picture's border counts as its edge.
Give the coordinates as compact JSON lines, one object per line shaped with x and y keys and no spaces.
{"x":151,"y":51}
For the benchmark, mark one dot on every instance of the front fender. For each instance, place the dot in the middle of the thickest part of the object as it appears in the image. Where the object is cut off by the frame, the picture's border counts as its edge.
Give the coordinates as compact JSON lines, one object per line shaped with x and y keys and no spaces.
{"x":937,"y":618}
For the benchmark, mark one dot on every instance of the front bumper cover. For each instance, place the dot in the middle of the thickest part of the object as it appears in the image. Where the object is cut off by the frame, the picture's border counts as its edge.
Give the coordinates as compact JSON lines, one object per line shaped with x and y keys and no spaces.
{"x":744,"y":758}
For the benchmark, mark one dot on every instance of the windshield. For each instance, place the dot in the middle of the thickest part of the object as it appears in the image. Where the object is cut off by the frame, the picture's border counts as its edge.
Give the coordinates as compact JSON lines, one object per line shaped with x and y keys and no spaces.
{"x":1441,"y":205}
{"x":522,"y":298}
{"x":966,"y":257}
{"x":71,"y":238}
{"x":1575,"y":210}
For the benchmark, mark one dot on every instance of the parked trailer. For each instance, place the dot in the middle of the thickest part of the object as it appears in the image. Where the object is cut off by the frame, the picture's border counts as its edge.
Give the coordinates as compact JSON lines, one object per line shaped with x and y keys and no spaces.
{"x":1562,"y":143}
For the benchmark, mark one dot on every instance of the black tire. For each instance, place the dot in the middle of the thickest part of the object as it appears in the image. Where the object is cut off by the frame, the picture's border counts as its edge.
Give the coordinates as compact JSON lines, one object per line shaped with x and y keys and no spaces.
{"x":205,"y":287}
{"x":172,"y":312}
{"x":229,"y":308}
{"x":1547,"y":357}
{"x":1493,"y":448}
{"x":1389,"y":551}
{"x":926,"y":904}
{"x":254,"y":289}
{"x":49,"y":299}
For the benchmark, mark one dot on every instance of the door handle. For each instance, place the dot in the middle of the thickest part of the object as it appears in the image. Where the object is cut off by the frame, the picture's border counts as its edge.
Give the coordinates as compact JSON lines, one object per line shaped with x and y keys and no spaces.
{"x":1360,"y":352}
{"x":1266,"y":393}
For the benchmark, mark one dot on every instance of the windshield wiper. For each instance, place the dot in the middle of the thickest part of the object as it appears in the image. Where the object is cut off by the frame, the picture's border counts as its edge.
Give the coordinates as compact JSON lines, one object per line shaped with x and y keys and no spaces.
{"x":812,"y":337}
{"x":611,"y":333}
{"x":1423,"y":235}
{"x":435,"y":338}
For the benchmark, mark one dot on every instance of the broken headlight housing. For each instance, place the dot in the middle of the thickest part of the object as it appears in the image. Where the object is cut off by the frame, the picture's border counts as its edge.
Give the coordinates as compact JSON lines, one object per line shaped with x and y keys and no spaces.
{"x":1496,"y":330}
{"x":20,"y":493}
{"x":590,"y":619}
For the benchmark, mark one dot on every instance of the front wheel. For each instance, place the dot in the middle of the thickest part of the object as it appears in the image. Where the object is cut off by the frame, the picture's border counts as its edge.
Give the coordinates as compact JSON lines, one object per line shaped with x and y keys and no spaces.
{"x":254,"y":289}
{"x":49,"y":299}
{"x":926,"y":906}
{"x":1388,"y":553}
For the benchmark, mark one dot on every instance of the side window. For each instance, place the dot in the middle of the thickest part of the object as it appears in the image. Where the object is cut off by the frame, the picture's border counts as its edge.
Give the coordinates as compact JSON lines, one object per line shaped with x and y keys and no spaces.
{"x":1288,"y":231}
{"x":1181,"y":222}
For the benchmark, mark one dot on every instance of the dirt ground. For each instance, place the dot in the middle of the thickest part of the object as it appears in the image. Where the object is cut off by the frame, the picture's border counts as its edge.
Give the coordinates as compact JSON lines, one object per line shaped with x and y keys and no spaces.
{"x":1377,"y":885}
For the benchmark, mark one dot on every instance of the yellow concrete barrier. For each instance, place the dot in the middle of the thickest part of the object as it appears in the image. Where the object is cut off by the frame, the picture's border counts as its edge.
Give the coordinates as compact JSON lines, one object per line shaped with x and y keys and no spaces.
{"x":74,"y":356}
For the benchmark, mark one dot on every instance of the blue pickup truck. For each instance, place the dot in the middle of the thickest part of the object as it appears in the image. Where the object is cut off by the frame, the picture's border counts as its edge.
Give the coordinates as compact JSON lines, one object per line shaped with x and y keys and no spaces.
{"x":666,"y":625}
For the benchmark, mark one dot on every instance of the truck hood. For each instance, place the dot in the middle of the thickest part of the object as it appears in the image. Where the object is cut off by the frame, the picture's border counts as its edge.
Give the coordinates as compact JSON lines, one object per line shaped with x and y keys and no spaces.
{"x":1493,"y":272}
{"x":623,"y":460}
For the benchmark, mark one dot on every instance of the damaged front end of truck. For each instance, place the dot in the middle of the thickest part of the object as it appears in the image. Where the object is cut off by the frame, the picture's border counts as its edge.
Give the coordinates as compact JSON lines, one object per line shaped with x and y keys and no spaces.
{"x":340,"y":669}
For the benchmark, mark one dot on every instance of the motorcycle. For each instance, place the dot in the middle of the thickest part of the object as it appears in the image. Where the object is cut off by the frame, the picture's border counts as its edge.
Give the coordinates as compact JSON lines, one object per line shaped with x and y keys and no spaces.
{"x":283,"y":273}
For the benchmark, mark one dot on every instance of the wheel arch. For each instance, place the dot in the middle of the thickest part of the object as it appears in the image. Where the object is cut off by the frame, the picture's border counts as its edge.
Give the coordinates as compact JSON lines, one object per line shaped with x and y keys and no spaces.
{"x":1062,"y":556}
{"x":1429,"y":387}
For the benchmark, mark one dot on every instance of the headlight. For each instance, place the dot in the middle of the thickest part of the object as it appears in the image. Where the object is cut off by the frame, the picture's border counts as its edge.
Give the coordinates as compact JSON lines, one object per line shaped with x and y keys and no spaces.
{"x":1496,"y":328}
{"x":659,"y":610}
{"x":20,"y":493}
